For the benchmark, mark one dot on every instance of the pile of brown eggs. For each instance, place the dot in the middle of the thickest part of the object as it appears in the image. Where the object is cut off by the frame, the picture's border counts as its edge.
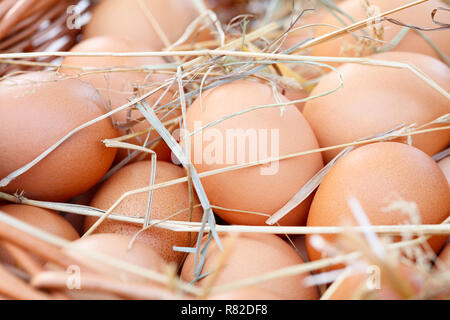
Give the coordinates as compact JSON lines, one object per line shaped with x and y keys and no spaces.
{"x":72,"y":111}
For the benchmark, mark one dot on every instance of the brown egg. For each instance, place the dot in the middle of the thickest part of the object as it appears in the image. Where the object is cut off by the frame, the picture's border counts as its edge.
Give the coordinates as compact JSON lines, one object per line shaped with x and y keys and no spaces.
{"x":116,"y":246}
{"x":256,"y":135}
{"x":118,"y":88}
{"x":299,"y":243}
{"x":299,"y":33}
{"x":376,"y":99}
{"x":44,"y":219}
{"x":378,"y":175}
{"x":115,"y":87}
{"x":38,"y":110}
{"x":419,"y":15}
{"x":131,"y":21}
{"x":444,"y":258}
{"x":246,"y":293}
{"x":166,"y":202}
{"x":254,"y":255}
{"x":444,"y":164}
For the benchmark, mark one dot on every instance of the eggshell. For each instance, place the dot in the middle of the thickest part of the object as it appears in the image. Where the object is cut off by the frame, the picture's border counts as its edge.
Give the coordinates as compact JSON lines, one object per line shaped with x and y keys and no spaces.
{"x":444,"y":164}
{"x":254,"y":135}
{"x":166,"y":202}
{"x":376,"y":99}
{"x":419,"y":15}
{"x":38,"y":109}
{"x":246,"y":293}
{"x":254,"y":255}
{"x":116,"y":246}
{"x":129,"y":20}
{"x":377,"y":175}
{"x":119,"y":88}
{"x":444,"y":258}
{"x":44,"y":219}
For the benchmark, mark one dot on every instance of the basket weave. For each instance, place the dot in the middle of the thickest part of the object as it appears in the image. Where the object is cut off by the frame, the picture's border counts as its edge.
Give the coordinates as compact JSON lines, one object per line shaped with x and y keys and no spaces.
{"x":35,"y":25}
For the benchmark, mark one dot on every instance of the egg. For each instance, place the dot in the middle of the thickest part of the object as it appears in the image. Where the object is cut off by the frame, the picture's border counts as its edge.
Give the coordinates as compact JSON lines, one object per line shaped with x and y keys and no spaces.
{"x":350,"y":287}
{"x":419,"y":15}
{"x":116,"y":246}
{"x":377,"y":99}
{"x":253,"y":255}
{"x":246,"y":293}
{"x":119,"y":88}
{"x":166,"y":202}
{"x":381,"y":176}
{"x":38,"y":109}
{"x":256,"y":135}
{"x":131,"y":20}
{"x":306,"y":27}
{"x":444,"y":164}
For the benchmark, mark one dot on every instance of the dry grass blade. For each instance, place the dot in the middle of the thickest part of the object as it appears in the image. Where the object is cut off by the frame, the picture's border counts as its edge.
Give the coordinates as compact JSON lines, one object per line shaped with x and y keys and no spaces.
{"x":315,"y":181}
{"x":318,"y":264}
{"x":204,"y":11}
{"x":47,"y":245}
{"x":256,"y":55}
{"x":31,"y":239}
{"x":117,"y":144}
{"x":356,"y":26}
{"x":335,"y":285}
{"x":208,"y":215}
{"x":430,"y":229}
{"x":185,"y":226}
{"x":362,"y":220}
{"x":228,"y":249}
{"x":441,"y":155}
{"x":98,"y":283}
{"x":154,"y":23}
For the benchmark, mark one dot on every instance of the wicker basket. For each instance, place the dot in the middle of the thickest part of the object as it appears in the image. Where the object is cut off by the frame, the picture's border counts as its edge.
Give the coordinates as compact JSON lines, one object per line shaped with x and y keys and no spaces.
{"x":38,"y":25}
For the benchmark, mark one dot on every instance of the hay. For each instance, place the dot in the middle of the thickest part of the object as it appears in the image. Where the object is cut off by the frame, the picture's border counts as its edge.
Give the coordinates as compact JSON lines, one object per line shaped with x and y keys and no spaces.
{"x":254,"y":53}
